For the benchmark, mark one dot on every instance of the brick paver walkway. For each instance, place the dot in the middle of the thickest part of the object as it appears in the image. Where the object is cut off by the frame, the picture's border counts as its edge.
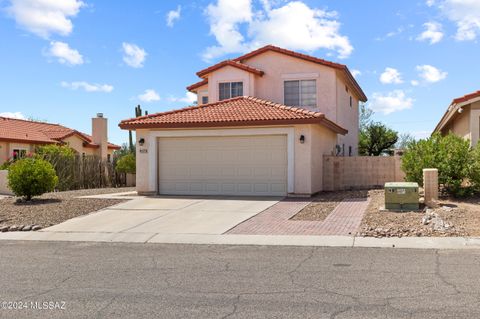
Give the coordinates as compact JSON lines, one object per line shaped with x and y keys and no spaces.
{"x":343,"y":220}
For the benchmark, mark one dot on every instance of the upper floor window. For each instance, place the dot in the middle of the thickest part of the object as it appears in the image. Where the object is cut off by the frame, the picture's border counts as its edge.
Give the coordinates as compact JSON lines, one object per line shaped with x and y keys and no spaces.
{"x":351,"y":102}
{"x":228,"y":90}
{"x":204,"y":99}
{"x":300,"y":93}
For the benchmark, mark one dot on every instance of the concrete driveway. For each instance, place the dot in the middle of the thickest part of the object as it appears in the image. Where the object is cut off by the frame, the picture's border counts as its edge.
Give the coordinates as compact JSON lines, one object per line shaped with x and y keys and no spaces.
{"x":143,"y":218}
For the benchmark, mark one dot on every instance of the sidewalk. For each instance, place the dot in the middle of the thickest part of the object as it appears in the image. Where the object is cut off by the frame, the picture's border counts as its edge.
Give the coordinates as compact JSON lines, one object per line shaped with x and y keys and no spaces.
{"x":262,"y":240}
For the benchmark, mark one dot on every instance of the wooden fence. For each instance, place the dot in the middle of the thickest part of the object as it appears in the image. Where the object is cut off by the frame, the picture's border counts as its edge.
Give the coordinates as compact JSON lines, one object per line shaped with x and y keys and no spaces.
{"x":360,"y":172}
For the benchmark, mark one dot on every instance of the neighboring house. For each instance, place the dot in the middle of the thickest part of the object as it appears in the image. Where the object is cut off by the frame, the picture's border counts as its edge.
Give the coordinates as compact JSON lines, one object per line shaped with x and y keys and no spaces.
{"x":462,"y":118}
{"x":20,"y":137}
{"x":261,"y":127}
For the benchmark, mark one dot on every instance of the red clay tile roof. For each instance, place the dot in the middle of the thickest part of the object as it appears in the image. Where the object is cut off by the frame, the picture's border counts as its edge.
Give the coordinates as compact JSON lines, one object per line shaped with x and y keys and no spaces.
{"x":32,"y":132}
{"x":197,"y":85}
{"x":443,"y":121}
{"x":238,"y":111}
{"x":466,"y":97}
{"x":234,"y":63}
{"x":310,"y":58}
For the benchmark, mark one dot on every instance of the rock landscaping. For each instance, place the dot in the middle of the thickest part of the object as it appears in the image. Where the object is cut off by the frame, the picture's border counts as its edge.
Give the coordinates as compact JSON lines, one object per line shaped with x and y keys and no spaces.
{"x":449,"y":217}
{"x":52,"y":208}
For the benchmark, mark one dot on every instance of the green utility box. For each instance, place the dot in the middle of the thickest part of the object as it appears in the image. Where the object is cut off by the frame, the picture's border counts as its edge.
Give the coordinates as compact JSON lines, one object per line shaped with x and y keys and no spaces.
{"x":401,"y":196}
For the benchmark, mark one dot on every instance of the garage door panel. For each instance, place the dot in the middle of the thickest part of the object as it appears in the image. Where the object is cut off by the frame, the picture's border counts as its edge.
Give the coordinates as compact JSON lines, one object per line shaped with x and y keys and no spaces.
{"x":240,"y":165}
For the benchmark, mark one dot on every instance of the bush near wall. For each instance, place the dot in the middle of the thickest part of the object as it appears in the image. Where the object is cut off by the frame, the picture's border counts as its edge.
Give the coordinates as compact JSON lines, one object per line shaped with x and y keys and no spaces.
{"x":30,"y":177}
{"x":457,"y":163}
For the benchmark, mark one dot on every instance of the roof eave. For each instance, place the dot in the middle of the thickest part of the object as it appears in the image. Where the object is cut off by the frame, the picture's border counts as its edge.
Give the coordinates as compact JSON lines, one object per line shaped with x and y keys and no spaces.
{"x":318,"y":120}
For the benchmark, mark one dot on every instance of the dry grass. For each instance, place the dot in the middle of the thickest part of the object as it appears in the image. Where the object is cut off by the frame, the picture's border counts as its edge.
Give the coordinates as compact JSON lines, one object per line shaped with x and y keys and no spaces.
{"x":53,"y":208}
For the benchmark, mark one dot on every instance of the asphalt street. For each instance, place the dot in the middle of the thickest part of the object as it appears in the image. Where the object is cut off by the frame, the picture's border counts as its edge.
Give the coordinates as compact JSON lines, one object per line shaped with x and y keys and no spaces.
{"x":100,"y":280}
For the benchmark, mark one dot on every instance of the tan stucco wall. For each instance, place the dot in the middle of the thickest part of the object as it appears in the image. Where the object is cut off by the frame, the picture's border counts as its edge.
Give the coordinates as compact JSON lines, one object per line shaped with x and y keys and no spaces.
{"x":279,"y":68}
{"x":460,"y":124}
{"x":323,"y":143}
{"x":347,"y":117}
{"x":3,"y":152}
{"x":307,"y":157}
{"x":201,"y":92}
{"x":230,"y":74}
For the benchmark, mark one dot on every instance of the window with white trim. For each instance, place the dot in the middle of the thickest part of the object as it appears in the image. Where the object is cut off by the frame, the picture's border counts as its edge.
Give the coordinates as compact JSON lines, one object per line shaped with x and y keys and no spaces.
{"x":300,"y":93}
{"x":227,"y":90}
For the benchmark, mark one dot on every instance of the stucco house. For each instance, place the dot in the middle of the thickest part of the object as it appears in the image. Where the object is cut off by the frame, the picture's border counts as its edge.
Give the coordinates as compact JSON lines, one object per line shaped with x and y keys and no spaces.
{"x":20,"y":137}
{"x":262,"y":124}
{"x":462,"y":118}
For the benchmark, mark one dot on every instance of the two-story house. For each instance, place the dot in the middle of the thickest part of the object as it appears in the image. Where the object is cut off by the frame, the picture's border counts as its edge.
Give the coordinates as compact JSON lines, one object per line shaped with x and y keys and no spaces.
{"x":261,"y":127}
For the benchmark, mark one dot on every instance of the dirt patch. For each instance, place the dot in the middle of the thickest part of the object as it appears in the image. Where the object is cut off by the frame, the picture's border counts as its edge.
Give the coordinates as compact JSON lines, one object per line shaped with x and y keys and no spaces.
{"x":461,"y":218}
{"x":54,"y":208}
{"x":324,"y":203}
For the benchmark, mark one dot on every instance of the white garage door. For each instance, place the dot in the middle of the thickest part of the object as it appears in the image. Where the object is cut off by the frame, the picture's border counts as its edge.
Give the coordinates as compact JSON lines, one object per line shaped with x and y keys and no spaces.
{"x":233,"y":165}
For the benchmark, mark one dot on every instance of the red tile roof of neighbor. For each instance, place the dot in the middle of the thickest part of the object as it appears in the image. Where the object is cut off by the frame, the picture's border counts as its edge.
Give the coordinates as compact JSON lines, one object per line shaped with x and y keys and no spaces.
{"x":302,"y":56}
{"x":32,"y":132}
{"x":238,"y":111}
{"x":447,"y":116}
{"x":466,"y":97}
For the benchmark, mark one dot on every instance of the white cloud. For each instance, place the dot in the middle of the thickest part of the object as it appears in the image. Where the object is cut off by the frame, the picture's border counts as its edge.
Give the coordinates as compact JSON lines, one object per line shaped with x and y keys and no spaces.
{"x":430,"y":74}
{"x":391,"y":102}
{"x":418,"y":135}
{"x":133,"y":55}
{"x":173,"y":15}
{"x":64,"y":53}
{"x":430,"y":2}
{"x":13,"y":115}
{"x":87,"y":87}
{"x":45,"y":17}
{"x":465,"y":14}
{"x":189,"y":98}
{"x":414,"y":83}
{"x":149,"y":96}
{"x":356,"y":73}
{"x":294,"y":25}
{"x":433,"y":33}
{"x":391,"y":76}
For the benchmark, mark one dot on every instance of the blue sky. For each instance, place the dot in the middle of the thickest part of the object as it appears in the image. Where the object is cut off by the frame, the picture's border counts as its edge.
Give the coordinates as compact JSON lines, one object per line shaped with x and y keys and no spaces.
{"x":64,"y":61}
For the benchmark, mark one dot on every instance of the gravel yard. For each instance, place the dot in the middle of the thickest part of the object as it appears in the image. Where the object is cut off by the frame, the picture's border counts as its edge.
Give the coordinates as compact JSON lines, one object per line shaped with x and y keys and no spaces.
{"x":54,"y":208}
{"x":324,"y":203}
{"x":461,"y":217}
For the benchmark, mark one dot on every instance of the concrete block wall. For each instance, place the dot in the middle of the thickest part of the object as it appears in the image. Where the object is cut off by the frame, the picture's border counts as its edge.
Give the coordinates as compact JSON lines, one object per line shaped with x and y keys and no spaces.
{"x":360,"y":172}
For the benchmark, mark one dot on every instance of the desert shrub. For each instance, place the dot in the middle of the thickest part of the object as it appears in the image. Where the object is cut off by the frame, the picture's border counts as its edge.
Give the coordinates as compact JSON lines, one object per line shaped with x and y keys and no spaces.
{"x":458,"y":170}
{"x":30,"y":177}
{"x":126,"y":164}
{"x":52,"y":151}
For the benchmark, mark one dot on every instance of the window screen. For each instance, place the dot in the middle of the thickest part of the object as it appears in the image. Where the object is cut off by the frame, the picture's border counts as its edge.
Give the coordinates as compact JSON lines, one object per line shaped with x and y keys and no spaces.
{"x":230,"y":89}
{"x":300,"y":93}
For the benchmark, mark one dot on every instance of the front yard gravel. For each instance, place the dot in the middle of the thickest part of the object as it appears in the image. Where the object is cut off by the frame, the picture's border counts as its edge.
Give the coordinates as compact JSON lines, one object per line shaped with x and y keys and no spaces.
{"x":461,"y":216}
{"x":54,"y":208}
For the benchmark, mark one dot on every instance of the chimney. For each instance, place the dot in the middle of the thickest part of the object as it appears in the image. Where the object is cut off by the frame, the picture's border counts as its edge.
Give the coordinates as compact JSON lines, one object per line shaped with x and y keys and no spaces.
{"x":100,"y":135}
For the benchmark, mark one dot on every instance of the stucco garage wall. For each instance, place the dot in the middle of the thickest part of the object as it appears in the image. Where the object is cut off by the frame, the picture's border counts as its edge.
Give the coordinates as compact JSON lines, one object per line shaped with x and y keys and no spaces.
{"x":305,"y":160}
{"x":323,"y":143}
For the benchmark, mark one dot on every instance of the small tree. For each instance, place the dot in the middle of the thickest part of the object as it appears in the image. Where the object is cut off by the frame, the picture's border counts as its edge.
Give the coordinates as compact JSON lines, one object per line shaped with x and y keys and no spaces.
{"x":376,"y":139}
{"x":53,"y":150}
{"x":458,"y":165}
{"x":365,"y":116}
{"x":30,"y":177}
{"x":126,"y":164}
